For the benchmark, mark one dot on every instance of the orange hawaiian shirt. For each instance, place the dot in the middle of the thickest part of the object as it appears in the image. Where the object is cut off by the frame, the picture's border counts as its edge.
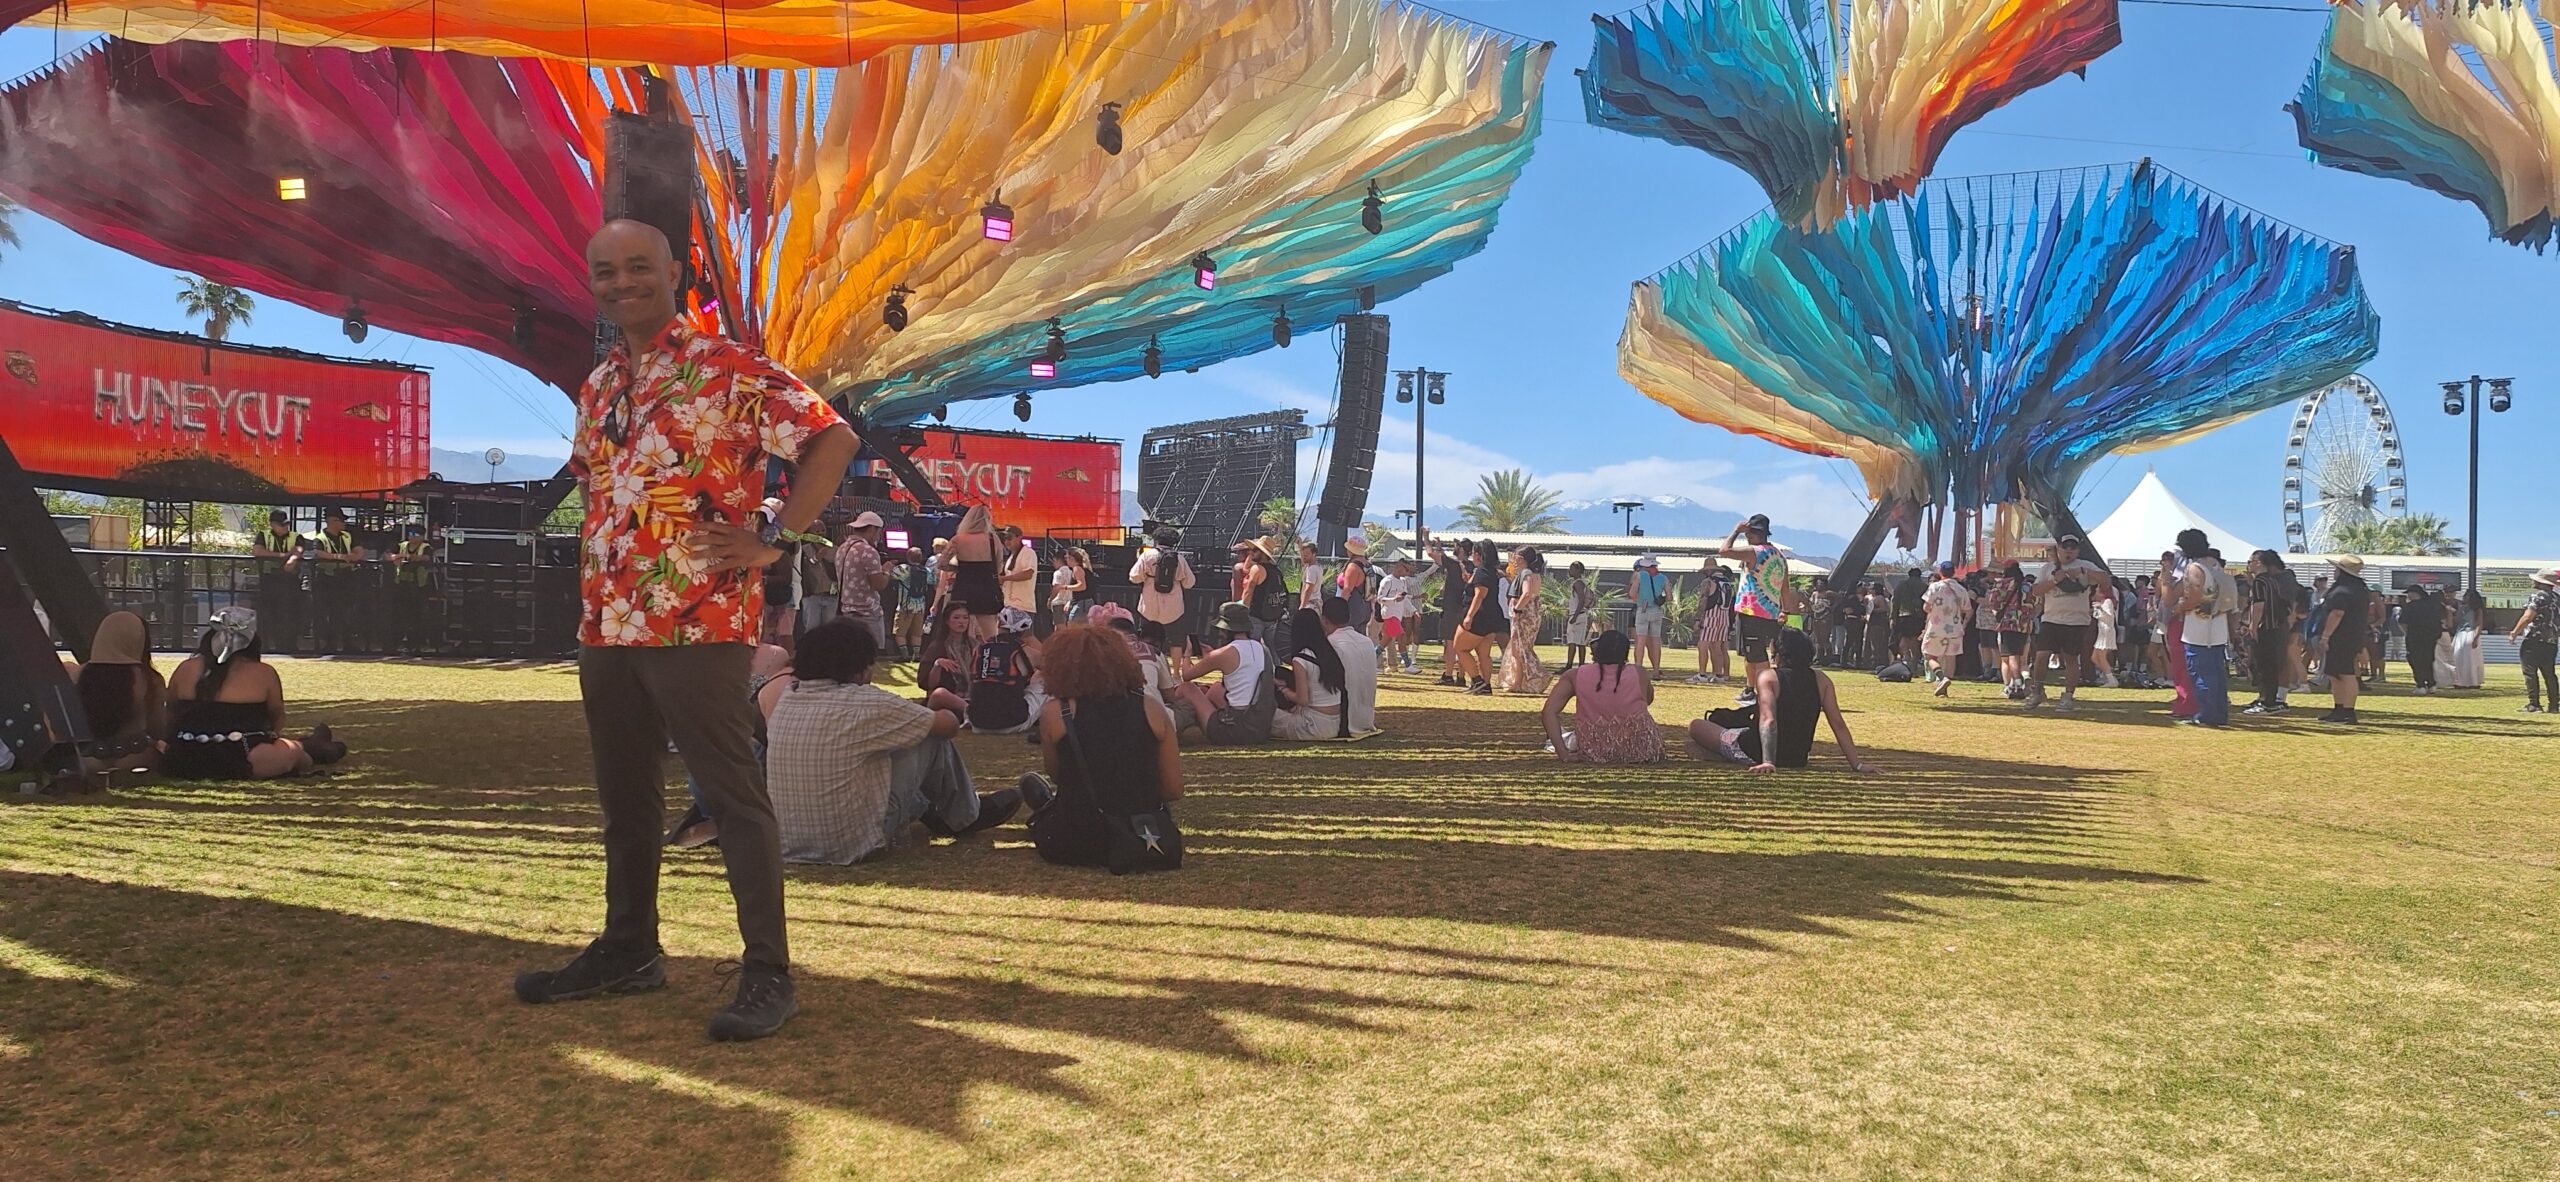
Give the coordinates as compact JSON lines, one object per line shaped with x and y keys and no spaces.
{"x":665,"y":443}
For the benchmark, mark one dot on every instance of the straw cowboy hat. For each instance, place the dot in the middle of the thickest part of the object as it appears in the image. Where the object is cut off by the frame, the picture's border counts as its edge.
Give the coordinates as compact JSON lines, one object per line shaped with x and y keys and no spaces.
{"x":2350,"y":564}
{"x":2548,"y":577}
{"x":1355,"y":548}
{"x":1267,"y":543}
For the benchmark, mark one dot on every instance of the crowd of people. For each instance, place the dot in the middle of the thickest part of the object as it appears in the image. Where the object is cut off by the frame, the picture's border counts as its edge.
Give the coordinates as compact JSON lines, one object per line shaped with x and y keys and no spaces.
{"x":732,"y":629}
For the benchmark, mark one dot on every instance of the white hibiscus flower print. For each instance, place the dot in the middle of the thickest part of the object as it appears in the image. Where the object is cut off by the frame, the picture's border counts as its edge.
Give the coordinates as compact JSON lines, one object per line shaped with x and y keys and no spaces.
{"x":623,"y":624}
{"x":655,"y":450}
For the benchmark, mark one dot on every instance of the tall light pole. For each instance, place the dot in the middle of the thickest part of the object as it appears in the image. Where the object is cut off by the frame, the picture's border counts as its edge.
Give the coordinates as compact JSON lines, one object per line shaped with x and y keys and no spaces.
{"x":1433,"y":390}
{"x":1628,"y":508}
{"x":2501,"y":396}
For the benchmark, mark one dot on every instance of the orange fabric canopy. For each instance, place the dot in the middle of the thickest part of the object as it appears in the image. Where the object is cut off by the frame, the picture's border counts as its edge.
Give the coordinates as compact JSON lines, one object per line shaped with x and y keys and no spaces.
{"x":772,"y":33}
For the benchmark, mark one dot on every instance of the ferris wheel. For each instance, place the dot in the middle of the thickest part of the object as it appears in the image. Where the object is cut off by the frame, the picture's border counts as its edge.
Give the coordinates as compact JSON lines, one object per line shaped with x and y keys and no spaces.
{"x":2342,"y":465}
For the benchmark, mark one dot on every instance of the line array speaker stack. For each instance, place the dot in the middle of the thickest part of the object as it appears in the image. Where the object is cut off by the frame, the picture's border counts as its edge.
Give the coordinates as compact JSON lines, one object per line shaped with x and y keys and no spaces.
{"x":1355,"y":430}
{"x":649,"y":177}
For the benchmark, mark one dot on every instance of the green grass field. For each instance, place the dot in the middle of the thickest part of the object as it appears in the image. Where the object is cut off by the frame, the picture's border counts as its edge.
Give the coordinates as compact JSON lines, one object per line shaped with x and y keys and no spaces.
{"x":2085,"y":947}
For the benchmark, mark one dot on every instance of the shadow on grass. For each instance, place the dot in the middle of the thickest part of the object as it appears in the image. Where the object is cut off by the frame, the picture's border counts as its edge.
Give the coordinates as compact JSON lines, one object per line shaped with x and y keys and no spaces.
{"x":2374,"y":715}
{"x":156,"y":1033}
{"x":1431,"y":822}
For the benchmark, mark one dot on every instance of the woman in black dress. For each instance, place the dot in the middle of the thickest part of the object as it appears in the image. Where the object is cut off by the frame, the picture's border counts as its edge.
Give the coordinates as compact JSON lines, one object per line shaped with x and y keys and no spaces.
{"x":969,"y":571}
{"x":226,"y":712}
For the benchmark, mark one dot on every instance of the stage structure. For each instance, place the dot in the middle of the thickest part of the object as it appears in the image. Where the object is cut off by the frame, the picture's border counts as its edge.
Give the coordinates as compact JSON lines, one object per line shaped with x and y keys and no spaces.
{"x":1830,"y":106}
{"x":1975,"y":346}
{"x":2458,"y":96}
{"x":930,"y":224}
{"x":1210,"y":479}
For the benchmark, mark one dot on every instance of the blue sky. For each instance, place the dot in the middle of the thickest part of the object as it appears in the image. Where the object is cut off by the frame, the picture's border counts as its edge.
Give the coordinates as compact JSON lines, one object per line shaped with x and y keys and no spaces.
{"x":1529,"y":328}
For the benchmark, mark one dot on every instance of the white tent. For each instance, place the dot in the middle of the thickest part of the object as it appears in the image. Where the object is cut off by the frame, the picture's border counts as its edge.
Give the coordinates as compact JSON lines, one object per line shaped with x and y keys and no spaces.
{"x":2148,"y":522}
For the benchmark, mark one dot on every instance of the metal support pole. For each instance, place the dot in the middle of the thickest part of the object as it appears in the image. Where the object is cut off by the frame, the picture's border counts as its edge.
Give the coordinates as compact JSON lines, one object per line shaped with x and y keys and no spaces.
{"x":1421,"y":406}
{"x":2471,"y":543}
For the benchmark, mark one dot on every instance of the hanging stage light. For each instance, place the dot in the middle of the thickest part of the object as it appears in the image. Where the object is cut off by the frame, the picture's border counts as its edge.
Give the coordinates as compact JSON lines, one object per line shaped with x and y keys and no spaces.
{"x":1042,"y":367}
{"x":292,"y":188}
{"x":353,"y":323}
{"x":894,"y":313}
{"x":1106,"y":128}
{"x":999,"y":216}
{"x":1153,"y":359}
{"x":1022,"y":407}
{"x":1056,"y":350}
{"x":521,"y":332}
{"x":942,"y":414}
{"x":1204,"y":272}
{"x":1280,"y":328}
{"x":1373,"y":211}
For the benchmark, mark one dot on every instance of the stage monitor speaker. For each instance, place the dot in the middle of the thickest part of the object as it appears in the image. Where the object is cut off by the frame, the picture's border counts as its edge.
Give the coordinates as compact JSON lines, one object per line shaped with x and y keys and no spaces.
{"x":1355,"y":430}
{"x":649,"y":176}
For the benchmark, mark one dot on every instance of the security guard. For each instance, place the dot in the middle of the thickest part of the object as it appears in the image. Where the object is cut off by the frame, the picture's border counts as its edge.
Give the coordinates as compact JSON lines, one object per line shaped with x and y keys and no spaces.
{"x":336,"y":585}
{"x":280,"y":599}
{"x":412,"y":579}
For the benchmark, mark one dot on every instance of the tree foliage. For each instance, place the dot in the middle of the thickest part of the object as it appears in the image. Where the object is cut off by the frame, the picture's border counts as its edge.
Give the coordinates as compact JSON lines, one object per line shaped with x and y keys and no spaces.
{"x":1508,"y":502}
{"x":221,"y":304}
{"x":2420,"y":534}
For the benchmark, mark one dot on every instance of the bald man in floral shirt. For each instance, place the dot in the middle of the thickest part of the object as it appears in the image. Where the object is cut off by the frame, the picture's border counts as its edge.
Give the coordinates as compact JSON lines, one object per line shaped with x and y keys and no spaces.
{"x":674,"y":430}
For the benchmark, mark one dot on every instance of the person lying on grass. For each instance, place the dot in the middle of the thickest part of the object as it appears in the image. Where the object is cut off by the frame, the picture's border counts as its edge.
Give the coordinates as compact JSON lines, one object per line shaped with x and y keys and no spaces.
{"x":1779,"y":733}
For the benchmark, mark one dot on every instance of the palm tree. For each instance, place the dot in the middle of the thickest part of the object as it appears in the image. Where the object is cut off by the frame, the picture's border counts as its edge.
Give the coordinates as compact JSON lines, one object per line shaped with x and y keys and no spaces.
{"x":1508,"y":502}
{"x":8,"y":221}
{"x":2419,"y":534}
{"x":221,"y":304}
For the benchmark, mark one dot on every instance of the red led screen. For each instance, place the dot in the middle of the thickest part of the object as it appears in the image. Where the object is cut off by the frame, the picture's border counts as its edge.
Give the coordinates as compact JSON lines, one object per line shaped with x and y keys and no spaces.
{"x":1070,"y":487}
{"x":99,"y":407}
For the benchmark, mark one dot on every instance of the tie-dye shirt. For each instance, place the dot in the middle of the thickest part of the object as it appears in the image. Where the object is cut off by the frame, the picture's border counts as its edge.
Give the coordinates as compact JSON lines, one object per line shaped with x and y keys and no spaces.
{"x":1764,"y":581}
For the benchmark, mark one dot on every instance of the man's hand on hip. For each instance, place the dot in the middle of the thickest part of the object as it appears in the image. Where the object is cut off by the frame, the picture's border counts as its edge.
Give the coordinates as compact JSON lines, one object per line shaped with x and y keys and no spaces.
{"x":732,"y":547}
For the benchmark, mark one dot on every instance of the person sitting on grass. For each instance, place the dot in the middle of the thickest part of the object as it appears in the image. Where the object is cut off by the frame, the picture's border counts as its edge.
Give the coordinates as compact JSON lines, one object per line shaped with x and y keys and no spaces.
{"x":123,"y":696}
{"x":1359,"y":665}
{"x":226,"y":712}
{"x":1004,"y":681}
{"x":1311,"y":691}
{"x":1612,"y":708}
{"x":1106,"y":750}
{"x":1240,"y":709}
{"x":1779,"y":733}
{"x":851,"y":765}
{"x":950,"y":650}
{"x":768,"y":678}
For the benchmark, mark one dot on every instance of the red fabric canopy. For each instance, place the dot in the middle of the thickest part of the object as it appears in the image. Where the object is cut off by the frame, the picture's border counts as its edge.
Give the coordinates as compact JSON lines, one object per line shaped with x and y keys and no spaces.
{"x":450,"y":194}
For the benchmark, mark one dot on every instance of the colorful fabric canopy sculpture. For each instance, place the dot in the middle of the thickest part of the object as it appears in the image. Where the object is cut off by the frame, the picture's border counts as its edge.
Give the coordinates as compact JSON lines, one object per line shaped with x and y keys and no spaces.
{"x":772,"y":33}
{"x":451,"y":196}
{"x":2456,"y":95}
{"x":1253,"y":131}
{"x":1983,"y":340}
{"x":1830,"y":111}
